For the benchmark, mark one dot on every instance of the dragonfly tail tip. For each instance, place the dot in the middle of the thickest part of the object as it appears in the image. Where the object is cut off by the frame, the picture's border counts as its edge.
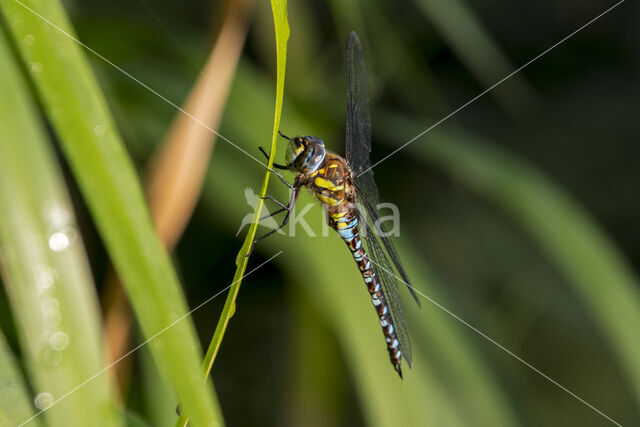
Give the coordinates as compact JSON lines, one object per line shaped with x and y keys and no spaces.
{"x":399,"y":370}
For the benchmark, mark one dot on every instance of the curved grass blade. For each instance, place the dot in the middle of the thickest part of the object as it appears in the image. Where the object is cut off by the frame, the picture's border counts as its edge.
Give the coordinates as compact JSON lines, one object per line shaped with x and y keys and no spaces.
{"x":594,"y":267}
{"x":599,"y":274}
{"x":321,"y":392}
{"x":475,"y":47}
{"x":15,"y":405}
{"x":107,"y":179}
{"x":47,"y":275}
{"x":281,"y":25}
{"x":176,"y":174}
{"x":282,"y":35}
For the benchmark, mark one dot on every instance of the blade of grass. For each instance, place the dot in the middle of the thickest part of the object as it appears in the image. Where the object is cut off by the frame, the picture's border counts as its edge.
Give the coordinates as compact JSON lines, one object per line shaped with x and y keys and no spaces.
{"x":159,"y":401}
{"x":281,"y":27}
{"x":475,"y":47}
{"x":282,"y":35}
{"x":391,"y":47}
{"x":94,"y":150}
{"x":599,"y":274}
{"x":456,"y":359}
{"x":178,"y":167}
{"x":47,"y":275}
{"x":15,"y":405}
{"x":320,"y":392}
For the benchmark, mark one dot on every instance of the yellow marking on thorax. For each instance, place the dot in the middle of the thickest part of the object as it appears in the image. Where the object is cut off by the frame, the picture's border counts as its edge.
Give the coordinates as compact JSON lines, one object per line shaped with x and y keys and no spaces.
{"x":325,"y":183}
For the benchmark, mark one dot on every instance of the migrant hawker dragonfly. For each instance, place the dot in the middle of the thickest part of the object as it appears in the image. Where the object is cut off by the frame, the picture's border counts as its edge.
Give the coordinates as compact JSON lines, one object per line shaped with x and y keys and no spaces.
{"x":346,"y":188}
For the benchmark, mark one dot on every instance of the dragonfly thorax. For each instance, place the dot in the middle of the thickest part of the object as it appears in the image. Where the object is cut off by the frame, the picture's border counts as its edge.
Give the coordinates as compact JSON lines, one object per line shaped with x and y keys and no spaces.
{"x":305,"y":154}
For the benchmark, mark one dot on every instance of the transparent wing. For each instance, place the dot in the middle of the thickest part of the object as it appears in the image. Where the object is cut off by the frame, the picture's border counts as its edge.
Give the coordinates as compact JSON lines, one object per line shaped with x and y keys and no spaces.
{"x":357,"y":154}
{"x":358,"y":143}
{"x":383,"y":235}
{"x":388,"y":282}
{"x":358,"y":136}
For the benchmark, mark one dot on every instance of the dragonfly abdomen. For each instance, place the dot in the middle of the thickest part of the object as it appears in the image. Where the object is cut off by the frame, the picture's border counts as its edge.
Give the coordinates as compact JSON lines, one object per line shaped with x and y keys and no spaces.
{"x":346,"y":224}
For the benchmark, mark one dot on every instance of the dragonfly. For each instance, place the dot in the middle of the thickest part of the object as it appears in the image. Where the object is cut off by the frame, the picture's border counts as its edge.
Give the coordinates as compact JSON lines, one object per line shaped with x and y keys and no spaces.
{"x":347,"y":190}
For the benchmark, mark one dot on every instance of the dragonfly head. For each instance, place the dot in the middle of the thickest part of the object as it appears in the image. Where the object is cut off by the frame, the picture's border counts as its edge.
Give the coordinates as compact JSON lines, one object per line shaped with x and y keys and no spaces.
{"x":304,"y":154}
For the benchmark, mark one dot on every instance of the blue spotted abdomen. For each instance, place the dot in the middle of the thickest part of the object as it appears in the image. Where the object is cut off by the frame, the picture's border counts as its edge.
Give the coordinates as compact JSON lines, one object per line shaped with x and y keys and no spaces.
{"x":346,"y":224}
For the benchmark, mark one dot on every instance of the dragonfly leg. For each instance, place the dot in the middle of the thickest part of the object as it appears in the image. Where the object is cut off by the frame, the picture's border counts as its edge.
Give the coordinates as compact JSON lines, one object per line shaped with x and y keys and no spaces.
{"x":284,"y":222}
{"x":277,"y":166}
{"x":276,"y":173}
{"x":283,"y":207}
{"x":276,"y":201}
{"x":292,"y":201}
{"x":280,"y":227}
{"x":273,"y":213}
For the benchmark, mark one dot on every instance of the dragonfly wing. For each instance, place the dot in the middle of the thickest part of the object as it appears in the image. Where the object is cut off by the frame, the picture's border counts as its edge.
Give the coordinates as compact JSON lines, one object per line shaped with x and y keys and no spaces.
{"x":389,"y":283}
{"x":357,"y":154}
{"x":358,"y":145}
{"x":358,"y":135}
{"x":383,"y":235}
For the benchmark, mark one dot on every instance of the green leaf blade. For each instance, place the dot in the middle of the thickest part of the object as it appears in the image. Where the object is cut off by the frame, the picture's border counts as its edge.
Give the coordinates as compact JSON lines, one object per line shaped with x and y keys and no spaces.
{"x":46,"y":271}
{"x":281,"y":27}
{"x":15,"y":405}
{"x":90,"y":142}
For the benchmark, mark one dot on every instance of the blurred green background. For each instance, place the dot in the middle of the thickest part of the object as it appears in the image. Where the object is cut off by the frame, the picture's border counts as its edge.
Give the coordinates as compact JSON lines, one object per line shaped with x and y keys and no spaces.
{"x":518,"y":214}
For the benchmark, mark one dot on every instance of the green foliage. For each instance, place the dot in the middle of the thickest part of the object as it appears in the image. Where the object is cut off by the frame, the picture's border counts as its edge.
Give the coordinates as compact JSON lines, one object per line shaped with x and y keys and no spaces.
{"x":282,"y":36}
{"x":498,"y":223}
{"x":281,"y":25}
{"x":562,"y":229}
{"x":47,"y":275}
{"x":14,"y":398}
{"x":456,"y":24}
{"x":73,"y":103}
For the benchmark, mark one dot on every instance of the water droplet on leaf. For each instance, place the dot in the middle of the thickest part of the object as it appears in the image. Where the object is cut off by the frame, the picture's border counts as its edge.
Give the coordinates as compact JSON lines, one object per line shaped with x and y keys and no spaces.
{"x":52,"y":357}
{"x":36,"y":67}
{"x":43,"y":400}
{"x":59,"y":241}
{"x":99,"y":130}
{"x":52,"y":318}
{"x":59,"y":340}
